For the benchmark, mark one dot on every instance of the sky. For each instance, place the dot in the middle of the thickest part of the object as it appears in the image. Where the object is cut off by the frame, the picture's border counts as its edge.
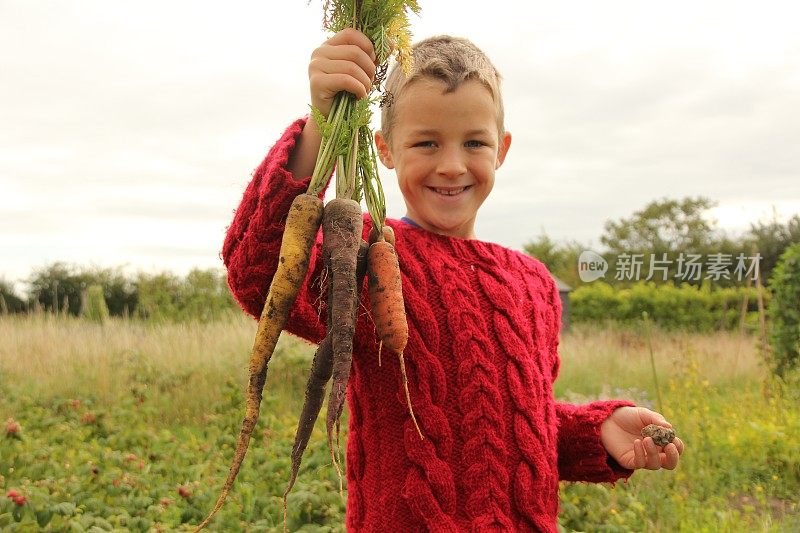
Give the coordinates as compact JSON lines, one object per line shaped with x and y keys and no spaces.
{"x":129,"y":130}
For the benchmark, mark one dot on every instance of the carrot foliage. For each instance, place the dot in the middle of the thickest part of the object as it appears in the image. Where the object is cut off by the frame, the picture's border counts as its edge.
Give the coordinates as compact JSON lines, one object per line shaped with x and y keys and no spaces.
{"x":346,"y":134}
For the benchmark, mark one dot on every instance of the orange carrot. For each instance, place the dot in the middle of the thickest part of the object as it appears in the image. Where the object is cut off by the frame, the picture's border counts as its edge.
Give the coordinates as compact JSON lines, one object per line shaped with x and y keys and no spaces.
{"x":388,"y":309}
{"x":386,"y":234}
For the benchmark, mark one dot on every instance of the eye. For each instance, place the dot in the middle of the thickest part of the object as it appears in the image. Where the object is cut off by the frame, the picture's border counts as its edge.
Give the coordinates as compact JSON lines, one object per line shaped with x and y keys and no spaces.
{"x":474,"y":144}
{"x":424,"y":144}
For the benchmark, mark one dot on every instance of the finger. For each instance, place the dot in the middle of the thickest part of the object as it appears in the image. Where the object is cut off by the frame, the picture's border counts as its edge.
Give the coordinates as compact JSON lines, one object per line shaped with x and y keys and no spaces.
{"x":354,"y":37}
{"x":679,"y":446}
{"x":652,"y":417}
{"x":639,"y":456}
{"x":653,"y":455}
{"x":670,"y":457}
{"x":347,"y":52}
{"x":328,"y":84}
{"x":323,"y":92}
{"x":338,"y":68}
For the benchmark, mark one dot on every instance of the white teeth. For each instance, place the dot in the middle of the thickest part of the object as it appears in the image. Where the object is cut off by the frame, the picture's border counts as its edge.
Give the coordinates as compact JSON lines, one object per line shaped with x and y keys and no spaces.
{"x":451,"y":192}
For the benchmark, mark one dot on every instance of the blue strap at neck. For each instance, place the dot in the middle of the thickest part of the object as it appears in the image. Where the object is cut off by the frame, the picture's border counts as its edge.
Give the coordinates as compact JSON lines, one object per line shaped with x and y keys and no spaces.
{"x":409,"y":221}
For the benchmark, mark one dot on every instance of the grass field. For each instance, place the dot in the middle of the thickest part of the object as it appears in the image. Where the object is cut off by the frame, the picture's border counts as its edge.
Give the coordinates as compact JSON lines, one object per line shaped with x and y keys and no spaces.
{"x":130,"y":426}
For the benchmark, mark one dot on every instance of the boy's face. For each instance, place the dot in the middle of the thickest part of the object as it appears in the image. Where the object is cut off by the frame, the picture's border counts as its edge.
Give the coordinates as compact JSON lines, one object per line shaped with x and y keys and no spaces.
{"x":445,"y":149}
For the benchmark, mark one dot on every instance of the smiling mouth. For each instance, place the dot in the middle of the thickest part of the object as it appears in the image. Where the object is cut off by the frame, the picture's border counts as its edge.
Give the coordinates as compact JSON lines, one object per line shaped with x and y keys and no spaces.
{"x":449,"y":191}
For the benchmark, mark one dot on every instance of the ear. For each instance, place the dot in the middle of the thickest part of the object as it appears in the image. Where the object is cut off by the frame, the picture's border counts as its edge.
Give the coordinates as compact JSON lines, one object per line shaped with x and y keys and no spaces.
{"x":384,"y":153}
{"x":505,"y":144}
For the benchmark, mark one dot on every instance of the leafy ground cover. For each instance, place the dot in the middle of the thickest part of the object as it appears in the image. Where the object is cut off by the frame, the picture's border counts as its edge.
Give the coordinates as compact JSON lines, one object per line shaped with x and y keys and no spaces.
{"x":130,"y":427}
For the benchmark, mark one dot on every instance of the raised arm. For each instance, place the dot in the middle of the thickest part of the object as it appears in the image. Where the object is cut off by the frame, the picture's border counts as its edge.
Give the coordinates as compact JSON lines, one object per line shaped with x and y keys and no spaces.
{"x":345,"y":62}
{"x":252,"y":242}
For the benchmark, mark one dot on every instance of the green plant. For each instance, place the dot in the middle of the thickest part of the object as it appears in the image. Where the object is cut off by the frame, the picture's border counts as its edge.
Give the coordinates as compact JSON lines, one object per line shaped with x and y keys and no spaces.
{"x":94,"y":455}
{"x":346,"y":134}
{"x":669,"y":306}
{"x":784,"y":310}
{"x":95,"y":308}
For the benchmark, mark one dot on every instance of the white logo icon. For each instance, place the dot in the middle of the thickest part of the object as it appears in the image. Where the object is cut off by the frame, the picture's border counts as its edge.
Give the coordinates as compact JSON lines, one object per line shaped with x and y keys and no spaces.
{"x":591,"y":266}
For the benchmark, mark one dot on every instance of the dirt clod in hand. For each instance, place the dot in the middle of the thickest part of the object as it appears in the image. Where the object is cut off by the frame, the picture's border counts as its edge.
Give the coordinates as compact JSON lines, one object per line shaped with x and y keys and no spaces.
{"x":661,"y":435}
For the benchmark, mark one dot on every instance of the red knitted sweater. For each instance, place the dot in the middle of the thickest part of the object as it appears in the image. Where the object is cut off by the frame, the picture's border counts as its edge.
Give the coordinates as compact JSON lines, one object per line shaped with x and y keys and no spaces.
{"x":481,"y":360}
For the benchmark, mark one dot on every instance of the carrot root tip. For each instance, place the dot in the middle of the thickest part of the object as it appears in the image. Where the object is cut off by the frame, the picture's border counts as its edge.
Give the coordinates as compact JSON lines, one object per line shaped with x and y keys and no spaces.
{"x":408,"y":396}
{"x":284,"y":514}
{"x":336,"y":465}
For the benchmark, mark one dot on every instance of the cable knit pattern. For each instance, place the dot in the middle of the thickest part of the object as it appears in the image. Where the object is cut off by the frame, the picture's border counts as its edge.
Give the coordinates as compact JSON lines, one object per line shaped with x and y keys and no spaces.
{"x":481,"y":359}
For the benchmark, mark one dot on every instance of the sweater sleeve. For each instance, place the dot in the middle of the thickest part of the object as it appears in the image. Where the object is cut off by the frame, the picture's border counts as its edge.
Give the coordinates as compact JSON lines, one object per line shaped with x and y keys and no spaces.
{"x":252,"y":242}
{"x":581,"y":454}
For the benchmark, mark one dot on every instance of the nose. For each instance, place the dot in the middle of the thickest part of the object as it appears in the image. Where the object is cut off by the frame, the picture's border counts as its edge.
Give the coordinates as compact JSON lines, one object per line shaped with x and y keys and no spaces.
{"x":451,"y":163}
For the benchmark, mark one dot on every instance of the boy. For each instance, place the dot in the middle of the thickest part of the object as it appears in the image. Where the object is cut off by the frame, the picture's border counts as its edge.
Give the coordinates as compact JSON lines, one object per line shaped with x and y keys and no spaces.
{"x":483,"y":320}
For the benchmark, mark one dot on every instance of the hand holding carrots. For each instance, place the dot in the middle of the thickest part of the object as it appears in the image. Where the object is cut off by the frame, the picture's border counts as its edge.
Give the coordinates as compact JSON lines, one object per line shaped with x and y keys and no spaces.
{"x":345,"y":62}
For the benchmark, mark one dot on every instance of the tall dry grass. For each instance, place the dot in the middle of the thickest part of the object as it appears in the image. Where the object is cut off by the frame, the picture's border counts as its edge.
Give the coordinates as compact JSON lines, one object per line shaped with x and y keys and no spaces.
{"x":179,"y":365}
{"x":185,"y":363}
{"x":609,"y":360}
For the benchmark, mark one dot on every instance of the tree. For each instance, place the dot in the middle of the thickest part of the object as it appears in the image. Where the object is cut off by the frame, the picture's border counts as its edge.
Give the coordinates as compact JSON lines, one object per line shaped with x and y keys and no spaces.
{"x":664,"y":229}
{"x":560,"y":258}
{"x":206,"y":295}
{"x":59,"y":283}
{"x":10,"y":302}
{"x":119,"y":291}
{"x":771,"y":239}
{"x":201,"y":295}
{"x":58,"y":288}
{"x":159,"y":296}
{"x":663,"y":225}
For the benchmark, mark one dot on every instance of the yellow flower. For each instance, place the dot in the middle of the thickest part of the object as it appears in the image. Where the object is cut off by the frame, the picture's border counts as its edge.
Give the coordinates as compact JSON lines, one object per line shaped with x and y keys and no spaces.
{"x":400,"y":39}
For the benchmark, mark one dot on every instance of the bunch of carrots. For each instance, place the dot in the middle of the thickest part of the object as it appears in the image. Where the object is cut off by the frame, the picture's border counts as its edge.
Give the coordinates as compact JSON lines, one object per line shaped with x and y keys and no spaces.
{"x":347,"y":146}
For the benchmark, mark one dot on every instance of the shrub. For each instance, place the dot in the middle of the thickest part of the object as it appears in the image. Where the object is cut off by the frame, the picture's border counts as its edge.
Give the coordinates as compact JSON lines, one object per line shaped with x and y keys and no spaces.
{"x":784,"y":312}
{"x":95,"y":308}
{"x":671,"y":307}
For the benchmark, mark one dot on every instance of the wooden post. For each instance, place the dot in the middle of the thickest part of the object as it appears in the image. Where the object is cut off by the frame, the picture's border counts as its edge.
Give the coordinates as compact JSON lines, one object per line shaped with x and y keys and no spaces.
{"x":745,"y":302}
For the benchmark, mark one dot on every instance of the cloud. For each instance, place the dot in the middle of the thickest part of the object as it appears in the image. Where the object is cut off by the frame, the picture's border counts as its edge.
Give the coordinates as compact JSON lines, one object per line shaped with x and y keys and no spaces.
{"x":131,"y":129}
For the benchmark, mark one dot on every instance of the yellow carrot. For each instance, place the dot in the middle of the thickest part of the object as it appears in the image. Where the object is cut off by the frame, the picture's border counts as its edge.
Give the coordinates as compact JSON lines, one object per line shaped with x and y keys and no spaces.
{"x":302,"y":224}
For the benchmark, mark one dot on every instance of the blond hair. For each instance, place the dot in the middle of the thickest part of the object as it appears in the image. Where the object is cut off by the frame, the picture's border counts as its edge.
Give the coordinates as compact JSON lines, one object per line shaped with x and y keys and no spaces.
{"x":451,"y":60}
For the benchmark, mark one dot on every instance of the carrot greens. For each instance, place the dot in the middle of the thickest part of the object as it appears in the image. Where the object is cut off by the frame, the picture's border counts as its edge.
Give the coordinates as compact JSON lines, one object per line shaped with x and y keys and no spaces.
{"x":346,"y":134}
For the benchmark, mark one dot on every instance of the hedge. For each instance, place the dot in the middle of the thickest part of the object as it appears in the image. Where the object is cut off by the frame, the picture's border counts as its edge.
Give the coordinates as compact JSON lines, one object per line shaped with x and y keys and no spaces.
{"x":670,"y":306}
